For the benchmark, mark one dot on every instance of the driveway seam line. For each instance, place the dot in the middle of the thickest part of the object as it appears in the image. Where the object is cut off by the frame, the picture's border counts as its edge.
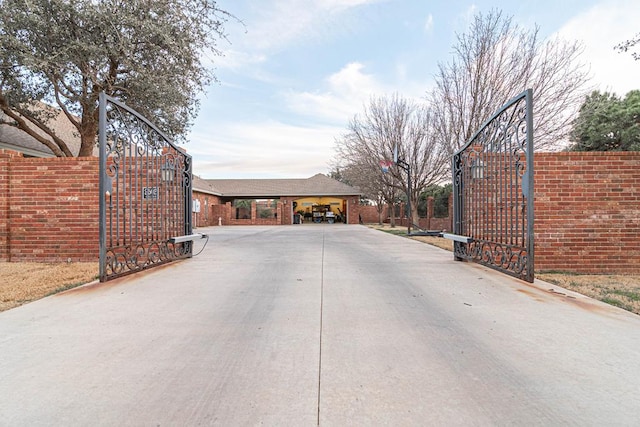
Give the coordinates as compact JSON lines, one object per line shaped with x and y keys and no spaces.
{"x":321,"y":315}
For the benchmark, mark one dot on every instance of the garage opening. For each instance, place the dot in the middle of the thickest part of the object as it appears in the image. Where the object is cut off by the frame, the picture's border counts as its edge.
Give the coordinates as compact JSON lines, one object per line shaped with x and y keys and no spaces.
{"x":318,"y":210}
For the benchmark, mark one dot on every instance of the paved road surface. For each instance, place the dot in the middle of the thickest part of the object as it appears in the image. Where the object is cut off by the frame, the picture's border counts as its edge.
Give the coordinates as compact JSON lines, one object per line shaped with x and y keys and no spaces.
{"x":318,"y":324}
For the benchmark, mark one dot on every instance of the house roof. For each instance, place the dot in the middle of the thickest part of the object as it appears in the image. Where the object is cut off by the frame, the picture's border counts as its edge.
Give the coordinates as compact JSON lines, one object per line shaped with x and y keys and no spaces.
{"x":203,"y":186}
{"x":318,"y":185}
{"x":15,"y":139}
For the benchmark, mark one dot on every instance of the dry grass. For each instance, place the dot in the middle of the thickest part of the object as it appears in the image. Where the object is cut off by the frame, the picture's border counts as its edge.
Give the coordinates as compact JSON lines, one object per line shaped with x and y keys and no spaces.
{"x":23,"y":282}
{"x":435,"y":241}
{"x":620,"y":290}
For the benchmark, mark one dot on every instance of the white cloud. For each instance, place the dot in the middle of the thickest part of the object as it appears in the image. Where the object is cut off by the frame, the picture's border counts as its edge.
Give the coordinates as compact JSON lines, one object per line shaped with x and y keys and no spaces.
{"x":600,"y":29}
{"x":347,"y":91}
{"x":234,"y":59}
{"x":350,"y":80}
{"x":344,"y":95}
{"x":428,"y":24}
{"x":470,"y":13}
{"x":268,"y":149}
{"x":343,"y":4}
{"x":276,"y":24}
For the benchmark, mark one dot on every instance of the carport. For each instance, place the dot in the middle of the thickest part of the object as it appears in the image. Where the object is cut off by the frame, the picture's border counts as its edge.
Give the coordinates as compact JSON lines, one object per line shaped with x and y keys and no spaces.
{"x":318,"y":199}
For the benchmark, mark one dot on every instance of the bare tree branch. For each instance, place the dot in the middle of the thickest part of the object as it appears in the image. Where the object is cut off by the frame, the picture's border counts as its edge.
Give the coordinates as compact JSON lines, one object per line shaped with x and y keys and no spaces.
{"x":21,"y":116}
{"x":497,"y":60}
{"x":389,"y":122}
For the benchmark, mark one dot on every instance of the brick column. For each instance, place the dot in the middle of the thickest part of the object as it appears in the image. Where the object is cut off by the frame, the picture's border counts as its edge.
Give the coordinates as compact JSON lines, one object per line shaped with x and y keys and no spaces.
{"x":430,"y":203}
{"x":451,"y":212}
{"x":6,"y":157}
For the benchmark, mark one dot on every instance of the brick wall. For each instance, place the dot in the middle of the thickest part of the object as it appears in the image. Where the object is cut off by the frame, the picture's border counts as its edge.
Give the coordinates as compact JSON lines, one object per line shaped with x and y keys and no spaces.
{"x":587,"y":208}
{"x":206,"y":217}
{"x":370,"y":214}
{"x":50,"y":208}
{"x":587,"y":212}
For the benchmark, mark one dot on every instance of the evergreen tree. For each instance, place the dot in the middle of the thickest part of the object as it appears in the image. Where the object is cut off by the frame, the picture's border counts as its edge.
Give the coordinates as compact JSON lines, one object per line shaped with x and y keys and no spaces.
{"x":148,"y":54}
{"x":608,"y":123}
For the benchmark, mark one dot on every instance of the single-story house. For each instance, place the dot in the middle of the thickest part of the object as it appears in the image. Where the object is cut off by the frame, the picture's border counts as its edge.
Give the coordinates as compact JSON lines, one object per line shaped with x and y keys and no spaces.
{"x":318,"y":199}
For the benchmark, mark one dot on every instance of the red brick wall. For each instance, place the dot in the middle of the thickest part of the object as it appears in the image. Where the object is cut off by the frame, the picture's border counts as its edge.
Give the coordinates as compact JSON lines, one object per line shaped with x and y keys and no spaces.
{"x":206,"y":217}
{"x":587,"y":212}
{"x":52,"y":209}
{"x":587,"y":208}
{"x":440,"y":224}
{"x":370,"y":214}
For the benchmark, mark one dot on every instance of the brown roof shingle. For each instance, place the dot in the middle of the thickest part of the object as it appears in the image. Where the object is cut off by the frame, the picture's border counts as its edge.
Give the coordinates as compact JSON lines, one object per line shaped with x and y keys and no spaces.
{"x":317,"y":185}
{"x":16,"y":139}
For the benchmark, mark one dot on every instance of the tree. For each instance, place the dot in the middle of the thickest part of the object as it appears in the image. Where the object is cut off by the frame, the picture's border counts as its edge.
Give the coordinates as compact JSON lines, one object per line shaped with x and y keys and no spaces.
{"x":440,"y":194}
{"x":63,"y":53}
{"x":389,"y":122}
{"x":628,"y":44}
{"x":497,"y":60}
{"x":608,"y":123}
{"x":373,"y":184}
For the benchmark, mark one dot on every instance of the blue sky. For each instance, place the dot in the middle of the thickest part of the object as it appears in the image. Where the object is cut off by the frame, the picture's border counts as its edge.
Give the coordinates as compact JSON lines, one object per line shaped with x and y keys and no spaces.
{"x":298,"y":70}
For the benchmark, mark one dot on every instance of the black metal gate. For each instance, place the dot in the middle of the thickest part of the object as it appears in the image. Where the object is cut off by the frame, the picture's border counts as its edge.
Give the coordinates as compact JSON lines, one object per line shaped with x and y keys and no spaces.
{"x":146,"y":195}
{"x":493,"y":192}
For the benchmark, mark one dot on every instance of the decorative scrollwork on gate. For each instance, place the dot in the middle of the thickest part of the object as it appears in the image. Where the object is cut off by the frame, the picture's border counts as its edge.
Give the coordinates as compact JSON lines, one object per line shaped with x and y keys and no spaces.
{"x":493,"y":192}
{"x":145,"y":189}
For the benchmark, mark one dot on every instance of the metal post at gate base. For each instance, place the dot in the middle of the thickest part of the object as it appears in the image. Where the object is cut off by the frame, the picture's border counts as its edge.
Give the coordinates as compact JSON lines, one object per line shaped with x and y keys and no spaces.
{"x":102,"y":186}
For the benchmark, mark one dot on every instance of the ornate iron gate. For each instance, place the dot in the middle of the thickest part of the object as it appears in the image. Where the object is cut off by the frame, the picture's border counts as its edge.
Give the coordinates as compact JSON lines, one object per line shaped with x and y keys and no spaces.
{"x":146,"y":195}
{"x":493,"y":192}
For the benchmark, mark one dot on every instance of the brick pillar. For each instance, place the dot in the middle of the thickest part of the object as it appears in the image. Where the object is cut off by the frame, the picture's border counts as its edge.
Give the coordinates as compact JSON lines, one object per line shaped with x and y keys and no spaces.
{"x":287,"y":210}
{"x":353,"y":207}
{"x":430,"y":203}
{"x":5,"y":226}
{"x":279,"y":212}
{"x":254,"y":213}
{"x":450,"y":202}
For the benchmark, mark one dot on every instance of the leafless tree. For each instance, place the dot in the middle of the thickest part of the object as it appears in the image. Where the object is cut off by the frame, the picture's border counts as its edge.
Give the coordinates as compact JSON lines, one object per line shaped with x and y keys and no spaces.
{"x":389,"y":122}
{"x":374,"y":185}
{"x":497,"y":60}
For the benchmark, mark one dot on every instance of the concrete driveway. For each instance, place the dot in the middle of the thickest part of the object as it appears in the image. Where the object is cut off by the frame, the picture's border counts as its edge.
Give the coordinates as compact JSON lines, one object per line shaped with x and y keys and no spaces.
{"x":318,"y":324}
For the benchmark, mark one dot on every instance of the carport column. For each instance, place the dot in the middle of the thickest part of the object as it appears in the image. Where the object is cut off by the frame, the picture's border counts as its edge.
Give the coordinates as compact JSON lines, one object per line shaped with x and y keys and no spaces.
{"x":280,"y":212}
{"x":430,"y":202}
{"x":254,"y":213}
{"x":229,"y":212}
{"x":353,"y":210}
{"x":287,"y":207}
